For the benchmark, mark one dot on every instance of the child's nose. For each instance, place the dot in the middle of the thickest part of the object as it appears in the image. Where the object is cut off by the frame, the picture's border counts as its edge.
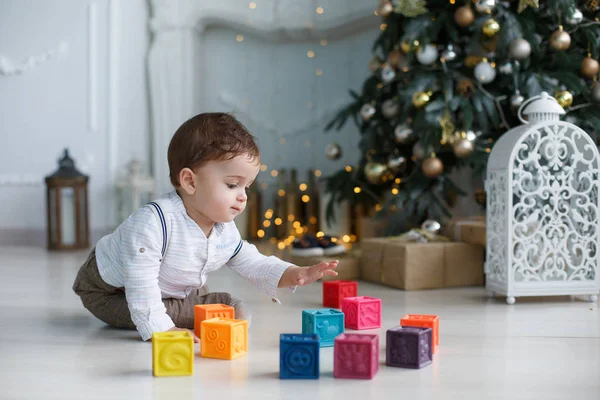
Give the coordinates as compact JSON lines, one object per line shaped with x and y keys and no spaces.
{"x":242,"y":197}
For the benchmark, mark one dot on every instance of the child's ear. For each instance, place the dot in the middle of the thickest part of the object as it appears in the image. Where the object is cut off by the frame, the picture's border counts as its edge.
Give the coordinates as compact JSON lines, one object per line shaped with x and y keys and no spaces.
{"x":187,"y":181}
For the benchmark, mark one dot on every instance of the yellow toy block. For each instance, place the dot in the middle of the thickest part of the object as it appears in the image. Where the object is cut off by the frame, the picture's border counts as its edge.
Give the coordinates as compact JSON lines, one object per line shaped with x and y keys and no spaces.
{"x":207,"y":311}
{"x":224,"y":338}
{"x":172,"y":353}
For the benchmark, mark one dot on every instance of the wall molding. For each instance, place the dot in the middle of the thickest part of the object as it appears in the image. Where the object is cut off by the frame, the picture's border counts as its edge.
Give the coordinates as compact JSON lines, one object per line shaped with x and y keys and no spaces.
{"x":9,"y":67}
{"x":92,"y":67}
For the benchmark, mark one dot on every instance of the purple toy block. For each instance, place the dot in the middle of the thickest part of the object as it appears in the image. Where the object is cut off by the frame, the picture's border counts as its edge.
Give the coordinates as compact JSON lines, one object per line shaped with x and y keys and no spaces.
{"x":408,"y":347}
{"x":355,"y":356}
{"x":362,"y":312}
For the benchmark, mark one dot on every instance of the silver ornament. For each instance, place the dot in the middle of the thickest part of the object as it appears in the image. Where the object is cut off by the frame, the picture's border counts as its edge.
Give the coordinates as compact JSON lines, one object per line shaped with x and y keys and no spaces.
{"x":485,"y":6}
{"x":449,"y":54}
{"x":431,"y":226}
{"x":419,"y":151}
{"x":506,"y":68}
{"x":390,"y":108}
{"x":575,"y":18}
{"x":471,"y":136}
{"x":595,"y":95}
{"x":484,"y":72}
{"x":519,"y":49}
{"x":396,"y":162}
{"x":387,"y":73}
{"x":427,"y":54}
{"x":333,"y":151}
{"x":402,"y":133}
{"x":515,"y":101}
{"x":463,"y":148}
{"x":367,"y":111}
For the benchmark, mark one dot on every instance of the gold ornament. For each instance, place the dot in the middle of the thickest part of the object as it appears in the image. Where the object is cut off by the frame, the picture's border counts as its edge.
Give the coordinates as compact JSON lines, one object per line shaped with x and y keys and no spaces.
{"x":420,"y":99}
{"x":432,"y":167}
{"x":374,"y":172}
{"x":490,"y":27}
{"x":394,"y":58}
{"x":560,"y":40}
{"x":480,"y":197}
{"x":463,"y":148}
{"x":405,"y":46}
{"x":523,"y":4}
{"x":472,"y":60}
{"x":591,"y":5}
{"x":385,"y":9}
{"x":589,"y":67}
{"x":411,"y":8}
{"x":333,"y":151}
{"x":465,"y":87}
{"x":464,"y":16}
{"x":564,"y":98}
{"x":447,"y":127}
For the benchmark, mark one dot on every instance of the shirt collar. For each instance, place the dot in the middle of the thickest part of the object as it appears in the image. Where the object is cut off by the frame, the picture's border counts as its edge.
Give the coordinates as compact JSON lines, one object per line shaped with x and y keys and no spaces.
{"x":180,"y":207}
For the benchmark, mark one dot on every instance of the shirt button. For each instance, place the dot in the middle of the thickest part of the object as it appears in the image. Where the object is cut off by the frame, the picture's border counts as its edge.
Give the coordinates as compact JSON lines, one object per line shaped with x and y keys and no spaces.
{"x":142,"y":249}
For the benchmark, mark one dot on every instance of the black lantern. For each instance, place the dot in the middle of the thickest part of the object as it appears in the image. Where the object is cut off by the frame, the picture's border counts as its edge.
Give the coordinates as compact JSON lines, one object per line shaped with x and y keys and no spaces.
{"x":67,"y":204}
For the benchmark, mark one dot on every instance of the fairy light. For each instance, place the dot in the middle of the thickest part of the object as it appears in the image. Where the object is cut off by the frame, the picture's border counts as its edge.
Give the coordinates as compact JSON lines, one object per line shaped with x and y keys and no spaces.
{"x":306,"y":198}
{"x":281,"y":192}
{"x":273,"y":240}
{"x":266,"y":223}
{"x":320,"y":234}
{"x":383,"y":27}
{"x":378,"y":207}
{"x":278,"y":221}
{"x":269,"y":214}
{"x":291,"y":218}
{"x":452,"y":1}
{"x":323,"y":42}
{"x":346,"y":238}
{"x":353,"y":238}
{"x":318,"y":173}
{"x":310,"y":54}
{"x":239,"y":38}
{"x":260,"y":233}
{"x":291,"y":238}
{"x":299,"y":231}
{"x":357,"y":190}
{"x":252,"y":5}
{"x":302,"y":187}
{"x":264,"y":185}
{"x":319,"y":72}
{"x":281,"y":245}
{"x":296,"y":224}
{"x":263,"y":167}
{"x":348,"y":168}
{"x":313,"y":220}
{"x":334,"y":240}
{"x":320,"y":10}
{"x":398,"y":180}
{"x":274,"y":173}
{"x":488,"y":150}
{"x":394,"y":191}
{"x":380,"y":85}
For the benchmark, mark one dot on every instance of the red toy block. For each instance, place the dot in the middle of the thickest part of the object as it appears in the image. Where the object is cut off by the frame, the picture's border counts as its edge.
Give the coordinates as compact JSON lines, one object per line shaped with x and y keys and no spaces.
{"x":362,"y":312}
{"x":355,"y":356}
{"x":335,"y":291}
{"x":425,"y":321}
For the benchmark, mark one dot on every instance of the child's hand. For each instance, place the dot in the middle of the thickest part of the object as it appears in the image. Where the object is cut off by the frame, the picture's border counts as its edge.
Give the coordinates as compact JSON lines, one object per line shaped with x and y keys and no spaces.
{"x":196,"y":338}
{"x":307,"y":275}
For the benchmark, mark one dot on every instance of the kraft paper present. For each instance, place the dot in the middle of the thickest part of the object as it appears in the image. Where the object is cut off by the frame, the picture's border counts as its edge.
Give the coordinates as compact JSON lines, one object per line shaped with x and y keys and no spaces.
{"x":347,"y":269}
{"x":469,"y":230}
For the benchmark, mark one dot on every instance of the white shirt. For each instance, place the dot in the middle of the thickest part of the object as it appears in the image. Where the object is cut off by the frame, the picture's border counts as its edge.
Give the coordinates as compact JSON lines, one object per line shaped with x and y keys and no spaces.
{"x":130,"y":257}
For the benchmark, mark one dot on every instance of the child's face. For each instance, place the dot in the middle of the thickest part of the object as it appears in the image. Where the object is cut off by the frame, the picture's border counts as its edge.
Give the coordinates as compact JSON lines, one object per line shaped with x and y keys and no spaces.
{"x":221,"y":187}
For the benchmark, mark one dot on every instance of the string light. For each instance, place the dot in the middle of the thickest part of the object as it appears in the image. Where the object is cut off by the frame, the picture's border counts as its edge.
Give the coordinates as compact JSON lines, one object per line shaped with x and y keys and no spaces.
{"x":323,"y":42}
{"x":383,"y":27}
{"x":394,"y":191}
{"x":319,"y":72}
{"x":378,"y":207}
{"x":302,"y":187}
{"x":318,"y":173}
{"x":348,"y":168}
{"x":274,"y":173}
{"x":291,"y":217}
{"x":278,"y":221}
{"x":346,"y":238}
{"x":313,"y":220}
{"x":296,"y":224}
{"x":266,"y":223}
{"x":281,"y":245}
{"x":319,"y":10}
{"x":320,"y":234}
{"x":299,"y":231}
{"x":265,"y":185}
{"x":353,"y":238}
{"x":273,"y":240}
{"x":306,"y":198}
{"x":398,"y":180}
{"x":281,"y":192}
{"x":239,"y":38}
{"x":260,"y":233}
{"x":357,"y":190}
{"x":334,"y":240}
{"x":269,"y":214}
{"x":252,"y":5}
{"x":263,"y":167}
{"x":310,"y":54}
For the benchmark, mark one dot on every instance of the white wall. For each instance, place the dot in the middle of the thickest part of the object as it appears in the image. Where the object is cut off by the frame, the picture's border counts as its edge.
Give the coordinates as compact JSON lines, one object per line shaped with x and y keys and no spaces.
{"x":91,"y":98}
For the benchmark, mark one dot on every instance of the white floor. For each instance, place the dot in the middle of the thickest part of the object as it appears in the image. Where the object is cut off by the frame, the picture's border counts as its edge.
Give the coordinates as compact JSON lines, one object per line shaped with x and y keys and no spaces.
{"x":50,"y":347}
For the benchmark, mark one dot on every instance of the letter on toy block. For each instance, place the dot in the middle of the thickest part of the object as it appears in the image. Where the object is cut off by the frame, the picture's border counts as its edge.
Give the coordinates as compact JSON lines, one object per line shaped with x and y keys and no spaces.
{"x":356,"y":356}
{"x":224,"y":338}
{"x":408,"y":347}
{"x":298,"y":356}
{"x":327,"y":323}
{"x":207,"y":311}
{"x":172,"y":353}
{"x":335,"y":291}
{"x":424,"y":321}
{"x":362,"y":312}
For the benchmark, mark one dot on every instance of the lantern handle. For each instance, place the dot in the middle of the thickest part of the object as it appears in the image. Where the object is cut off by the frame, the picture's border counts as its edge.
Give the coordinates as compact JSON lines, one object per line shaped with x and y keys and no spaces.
{"x":543,"y":95}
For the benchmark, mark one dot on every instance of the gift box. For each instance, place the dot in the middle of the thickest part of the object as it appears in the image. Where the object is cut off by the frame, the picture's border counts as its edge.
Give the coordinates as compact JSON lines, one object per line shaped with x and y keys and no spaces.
{"x":413,"y":266}
{"x":469,"y":230}
{"x":347,"y":269}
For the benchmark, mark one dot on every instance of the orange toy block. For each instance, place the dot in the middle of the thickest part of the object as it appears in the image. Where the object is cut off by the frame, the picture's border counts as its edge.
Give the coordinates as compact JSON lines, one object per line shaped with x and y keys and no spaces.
{"x":207,"y":311}
{"x":224,"y":338}
{"x":425,"y":321}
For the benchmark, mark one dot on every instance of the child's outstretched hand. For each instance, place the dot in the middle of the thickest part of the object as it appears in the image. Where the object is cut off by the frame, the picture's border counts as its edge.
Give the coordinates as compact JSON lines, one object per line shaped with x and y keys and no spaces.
{"x":306,"y":275}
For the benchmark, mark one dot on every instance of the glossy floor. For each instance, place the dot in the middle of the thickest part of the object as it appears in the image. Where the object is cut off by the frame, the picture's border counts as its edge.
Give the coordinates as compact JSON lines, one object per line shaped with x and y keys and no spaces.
{"x":50,"y":347}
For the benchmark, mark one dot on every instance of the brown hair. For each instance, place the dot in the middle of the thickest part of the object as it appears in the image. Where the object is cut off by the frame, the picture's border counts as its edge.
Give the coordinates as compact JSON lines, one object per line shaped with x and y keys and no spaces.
{"x":208,"y":137}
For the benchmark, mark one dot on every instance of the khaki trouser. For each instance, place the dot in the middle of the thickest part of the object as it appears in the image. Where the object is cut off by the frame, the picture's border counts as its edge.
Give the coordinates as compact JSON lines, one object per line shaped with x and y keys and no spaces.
{"x":108,"y":303}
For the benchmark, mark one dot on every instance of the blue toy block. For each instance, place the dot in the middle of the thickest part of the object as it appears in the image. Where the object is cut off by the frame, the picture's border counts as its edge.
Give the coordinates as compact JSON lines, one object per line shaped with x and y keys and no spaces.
{"x":298,"y":356}
{"x":325,"y":322}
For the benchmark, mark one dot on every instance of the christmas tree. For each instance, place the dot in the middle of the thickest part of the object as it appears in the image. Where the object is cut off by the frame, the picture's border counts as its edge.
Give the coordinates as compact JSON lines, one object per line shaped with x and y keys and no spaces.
{"x":447,"y":79}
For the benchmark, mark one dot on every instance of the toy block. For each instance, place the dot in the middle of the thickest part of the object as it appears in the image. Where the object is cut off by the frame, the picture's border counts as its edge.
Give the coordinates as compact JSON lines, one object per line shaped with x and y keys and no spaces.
{"x":424,"y":321}
{"x":408,"y":347}
{"x":207,"y":311}
{"x":298,"y":356}
{"x":335,"y":291}
{"x":224,"y":338}
{"x":362,"y":312}
{"x":172,"y":353}
{"x":326,"y":323}
{"x":356,"y":356}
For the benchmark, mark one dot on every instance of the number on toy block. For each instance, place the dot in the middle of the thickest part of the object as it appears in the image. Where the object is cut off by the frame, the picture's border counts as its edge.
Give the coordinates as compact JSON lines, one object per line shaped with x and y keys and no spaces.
{"x":326,"y":323}
{"x":298,"y":356}
{"x":335,"y":291}
{"x":207,"y":311}
{"x":362,"y":312}
{"x":224,"y":338}
{"x":408,"y":347}
{"x":356,"y":356}
{"x":424,"y":321}
{"x":172,"y":353}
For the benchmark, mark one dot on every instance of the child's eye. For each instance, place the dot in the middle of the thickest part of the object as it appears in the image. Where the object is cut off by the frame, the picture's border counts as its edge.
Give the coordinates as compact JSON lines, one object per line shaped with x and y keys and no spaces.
{"x":231,"y":185}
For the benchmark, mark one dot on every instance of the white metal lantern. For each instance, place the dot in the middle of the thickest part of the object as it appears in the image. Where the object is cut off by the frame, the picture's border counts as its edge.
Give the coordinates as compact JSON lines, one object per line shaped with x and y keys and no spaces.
{"x":543,"y":222}
{"x":134,"y":190}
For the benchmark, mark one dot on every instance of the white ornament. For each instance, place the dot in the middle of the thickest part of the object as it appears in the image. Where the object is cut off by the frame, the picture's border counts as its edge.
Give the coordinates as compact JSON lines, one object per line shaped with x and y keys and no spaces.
{"x":484,"y":72}
{"x":542,"y":185}
{"x":390,"y":108}
{"x":427,"y":54}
